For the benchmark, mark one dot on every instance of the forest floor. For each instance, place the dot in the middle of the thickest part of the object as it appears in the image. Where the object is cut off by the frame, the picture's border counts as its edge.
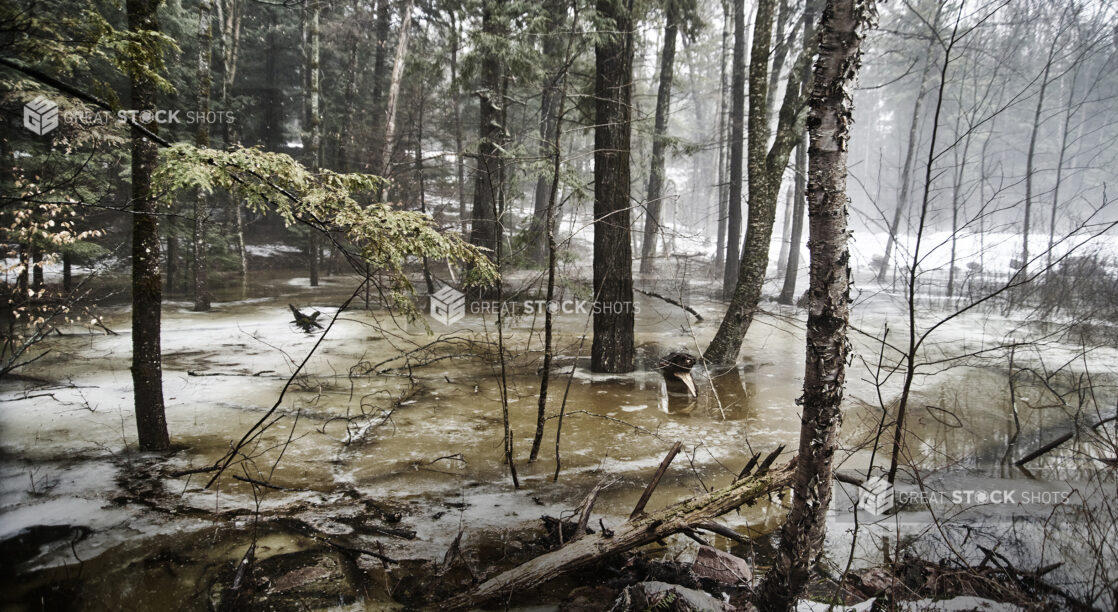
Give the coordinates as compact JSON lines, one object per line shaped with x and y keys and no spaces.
{"x":385,"y":454}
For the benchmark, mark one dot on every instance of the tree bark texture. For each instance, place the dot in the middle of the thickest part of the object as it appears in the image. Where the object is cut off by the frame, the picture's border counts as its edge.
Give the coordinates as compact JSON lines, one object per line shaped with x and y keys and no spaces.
{"x":612,"y":348}
{"x":485,"y":230}
{"x":147,"y":287}
{"x":737,"y":136}
{"x":844,"y":27}
{"x":659,"y":136}
{"x":766,"y":170}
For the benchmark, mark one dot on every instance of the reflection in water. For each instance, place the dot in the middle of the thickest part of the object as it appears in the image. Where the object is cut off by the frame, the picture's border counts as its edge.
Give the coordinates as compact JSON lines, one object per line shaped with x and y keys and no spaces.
{"x":676,"y":399}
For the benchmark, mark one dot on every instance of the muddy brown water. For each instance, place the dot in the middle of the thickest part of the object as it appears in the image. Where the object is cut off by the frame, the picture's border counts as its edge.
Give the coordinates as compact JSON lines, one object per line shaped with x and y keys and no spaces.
{"x":421,"y":435}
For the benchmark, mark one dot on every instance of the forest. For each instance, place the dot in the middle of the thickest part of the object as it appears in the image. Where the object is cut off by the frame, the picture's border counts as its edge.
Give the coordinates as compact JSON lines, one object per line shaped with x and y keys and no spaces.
{"x":560,"y":305}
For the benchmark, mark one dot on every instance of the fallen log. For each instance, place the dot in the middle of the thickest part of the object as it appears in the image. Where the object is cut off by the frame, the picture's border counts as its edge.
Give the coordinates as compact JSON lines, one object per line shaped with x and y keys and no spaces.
{"x":644,"y":529}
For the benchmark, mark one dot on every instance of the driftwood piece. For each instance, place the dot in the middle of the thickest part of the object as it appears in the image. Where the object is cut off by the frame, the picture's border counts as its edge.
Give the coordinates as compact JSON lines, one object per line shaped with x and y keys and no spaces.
{"x":642,"y":530}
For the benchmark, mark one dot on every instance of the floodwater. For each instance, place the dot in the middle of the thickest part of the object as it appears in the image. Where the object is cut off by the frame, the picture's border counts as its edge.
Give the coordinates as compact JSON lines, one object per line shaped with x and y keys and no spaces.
{"x":397,"y":425}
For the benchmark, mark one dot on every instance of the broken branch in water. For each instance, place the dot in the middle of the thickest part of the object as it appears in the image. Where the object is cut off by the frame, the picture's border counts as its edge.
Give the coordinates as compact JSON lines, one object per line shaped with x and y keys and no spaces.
{"x":263,"y":484}
{"x":652,"y":484}
{"x":643,"y":530}
{"x":698,"y":317}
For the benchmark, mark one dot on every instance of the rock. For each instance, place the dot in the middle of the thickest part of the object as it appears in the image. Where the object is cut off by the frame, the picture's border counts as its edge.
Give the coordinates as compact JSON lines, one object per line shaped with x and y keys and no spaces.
{"x":722,"y":567}
{"x":665,"y":597}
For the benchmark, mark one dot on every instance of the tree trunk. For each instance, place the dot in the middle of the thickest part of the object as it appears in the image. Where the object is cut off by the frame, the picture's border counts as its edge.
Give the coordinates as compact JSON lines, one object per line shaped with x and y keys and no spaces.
{"x":67,"y":273}
{"x":910,"y":151}
{"x":659,"y":135}
{"x":229,"y":18}
{"x":394,"y":91}
{"x":788,"y":291}
{"x":723,"y":103}
{"x":344,"y":141}
{"x":612,"y":348}
{"x":1070,"y":109}
{"x":274,"y":112}
{"x":456,"y":93}
{"x":147,"y":288}
{"x":786,"y":231}
{"x":1029,"y":164}
{"x":36,"y":268}
{"x":549,"y":115}
{"x":843,"y":29}
{"x":485,"y":228}
{"x":957,"y":201}
{"x":172,"y":256}
{"x":313,"y":142}
{"x":419,"y":178}
{"x":202,"y":139}
{"x":737,"y":134}
{"x":380,"y":59}
{"x":766,"y":170}
{"x":779,"y":54}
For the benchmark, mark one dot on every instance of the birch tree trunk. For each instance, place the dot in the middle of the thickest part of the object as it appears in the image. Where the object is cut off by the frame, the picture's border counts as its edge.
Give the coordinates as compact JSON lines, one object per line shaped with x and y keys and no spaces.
{"x":843,"y":27}
{"x":394,"y":90}
{"x":788,"y":291}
